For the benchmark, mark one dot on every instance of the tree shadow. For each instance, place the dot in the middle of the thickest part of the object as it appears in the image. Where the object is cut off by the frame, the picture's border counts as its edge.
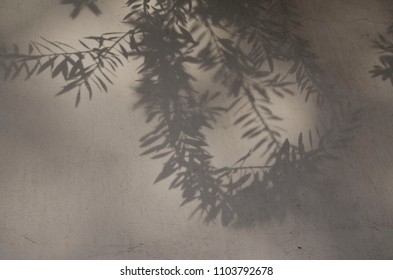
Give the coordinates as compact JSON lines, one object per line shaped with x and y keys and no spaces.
{"x":240,"y":47}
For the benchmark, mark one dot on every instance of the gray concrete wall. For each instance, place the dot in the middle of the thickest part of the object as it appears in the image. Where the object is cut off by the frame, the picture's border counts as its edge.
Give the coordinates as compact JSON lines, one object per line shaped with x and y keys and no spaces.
{"x":74,"y":186}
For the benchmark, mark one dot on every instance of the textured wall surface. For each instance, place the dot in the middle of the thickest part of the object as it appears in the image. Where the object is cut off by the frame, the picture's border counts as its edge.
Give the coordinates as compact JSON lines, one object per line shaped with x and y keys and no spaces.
{"x":74,"y":186}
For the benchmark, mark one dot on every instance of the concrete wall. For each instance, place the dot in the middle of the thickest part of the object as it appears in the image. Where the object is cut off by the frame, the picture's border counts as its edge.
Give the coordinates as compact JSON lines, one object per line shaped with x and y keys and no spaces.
{"x":73,"y":186}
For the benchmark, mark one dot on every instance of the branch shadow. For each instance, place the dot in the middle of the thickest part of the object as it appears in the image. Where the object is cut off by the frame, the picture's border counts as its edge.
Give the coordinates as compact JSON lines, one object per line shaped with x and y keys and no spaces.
{"x":240,"y":196}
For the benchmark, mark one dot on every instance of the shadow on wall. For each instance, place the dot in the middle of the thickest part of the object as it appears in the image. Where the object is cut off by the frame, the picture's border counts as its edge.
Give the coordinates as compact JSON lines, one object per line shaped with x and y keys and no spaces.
{"x":240,"y":45}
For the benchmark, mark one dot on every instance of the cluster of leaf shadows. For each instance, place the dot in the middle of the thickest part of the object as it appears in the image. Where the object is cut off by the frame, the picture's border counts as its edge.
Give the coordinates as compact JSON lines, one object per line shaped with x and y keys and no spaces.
{"x":239,"y":43}
{"x":384,"y":46}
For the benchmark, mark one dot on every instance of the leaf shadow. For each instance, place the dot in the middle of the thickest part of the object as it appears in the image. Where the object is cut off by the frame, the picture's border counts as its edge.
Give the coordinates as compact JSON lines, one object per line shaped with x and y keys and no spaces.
{"x":383,"y":45}
{"x":79,"y":5}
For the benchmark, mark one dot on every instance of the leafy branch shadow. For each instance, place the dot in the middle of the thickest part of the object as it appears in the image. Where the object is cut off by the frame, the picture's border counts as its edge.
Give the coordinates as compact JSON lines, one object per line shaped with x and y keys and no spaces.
{"x":240,"y":47}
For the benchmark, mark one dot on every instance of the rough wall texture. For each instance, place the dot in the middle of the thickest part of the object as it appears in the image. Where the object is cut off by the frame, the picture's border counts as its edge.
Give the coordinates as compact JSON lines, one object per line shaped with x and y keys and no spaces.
{"x":73,"y":186}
